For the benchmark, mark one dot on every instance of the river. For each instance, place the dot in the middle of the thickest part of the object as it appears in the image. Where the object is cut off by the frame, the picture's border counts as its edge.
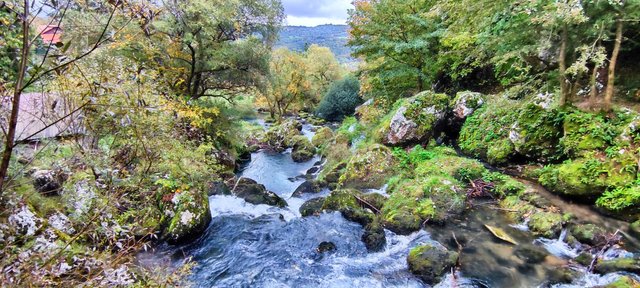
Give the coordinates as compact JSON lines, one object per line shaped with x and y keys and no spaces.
{"x":250,"y":245}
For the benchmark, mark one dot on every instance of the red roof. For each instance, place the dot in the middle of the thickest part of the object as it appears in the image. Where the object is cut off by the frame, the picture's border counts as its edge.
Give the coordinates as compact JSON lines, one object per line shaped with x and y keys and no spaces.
{"x":50,"y":33}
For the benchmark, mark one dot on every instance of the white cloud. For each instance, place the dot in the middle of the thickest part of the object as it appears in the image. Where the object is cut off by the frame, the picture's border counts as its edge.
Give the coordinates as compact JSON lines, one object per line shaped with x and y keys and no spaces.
{"x":313,"y":21}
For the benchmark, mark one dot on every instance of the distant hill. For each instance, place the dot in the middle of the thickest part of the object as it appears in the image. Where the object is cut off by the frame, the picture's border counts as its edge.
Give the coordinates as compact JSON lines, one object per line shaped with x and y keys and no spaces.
{"x":297,"y":38}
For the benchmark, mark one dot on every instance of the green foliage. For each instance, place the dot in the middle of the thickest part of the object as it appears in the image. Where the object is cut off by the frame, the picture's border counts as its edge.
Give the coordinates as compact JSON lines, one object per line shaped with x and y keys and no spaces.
{"x":341,"y":100}
{"x":621,"y":198}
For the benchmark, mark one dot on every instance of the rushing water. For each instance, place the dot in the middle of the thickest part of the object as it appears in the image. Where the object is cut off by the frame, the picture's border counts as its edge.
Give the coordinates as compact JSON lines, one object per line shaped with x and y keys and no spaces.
{"x":250,"y":245}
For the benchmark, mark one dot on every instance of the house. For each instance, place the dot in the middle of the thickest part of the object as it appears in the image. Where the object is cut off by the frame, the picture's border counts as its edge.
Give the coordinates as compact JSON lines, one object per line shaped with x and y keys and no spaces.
{"x":50,"y":34}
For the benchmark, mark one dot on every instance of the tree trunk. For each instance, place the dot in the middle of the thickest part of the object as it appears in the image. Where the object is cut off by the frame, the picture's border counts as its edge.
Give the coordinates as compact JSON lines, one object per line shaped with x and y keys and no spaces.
{"x":15,"y":103}
{"x":420,"y":84}
{"x":608,"y":96}
{"x":564,"y":89}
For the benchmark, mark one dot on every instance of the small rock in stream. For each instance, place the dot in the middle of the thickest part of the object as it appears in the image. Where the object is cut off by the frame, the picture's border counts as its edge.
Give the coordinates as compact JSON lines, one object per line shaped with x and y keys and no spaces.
{"x":326,"y":247}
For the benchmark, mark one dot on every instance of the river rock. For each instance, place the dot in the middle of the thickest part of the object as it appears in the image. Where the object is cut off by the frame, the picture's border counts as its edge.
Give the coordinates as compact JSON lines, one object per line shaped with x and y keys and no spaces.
{"x":631,"y":265}
{"x":530,"y":254}
{"x":47,"y":182}
{"x":588,"y":233}
{"x":416,"y":119}
{"x":191,"y":217}
{"x":429,"y":262}
{"x":279,"y":137}
{"x":326,"y":246}
{"x":307,"y":187}
{"x":255,"y":193}
{"x":312,"y":207}
{"x":634,"y":229}
{"x":303,"y":150}
{"x":624,"y":281}
{"x":546,"y":224}
{"x":374,"y":238}
{"x":346,"y":203}
{"x":369,"y":168}
{"x":219,"y":188}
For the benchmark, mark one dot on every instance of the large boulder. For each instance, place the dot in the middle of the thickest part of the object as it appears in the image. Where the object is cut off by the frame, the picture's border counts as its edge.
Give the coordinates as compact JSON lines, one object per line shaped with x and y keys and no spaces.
{"x":415,"y":201}
{"x":303,"y":150}
{"x":254,"y":193}
{"x":416,"y":119}
{"x":503,"y":130}
{"x":585,"y":179}
{"x":279,"y":137}
{"x":191,"y":216}
{"x":369,"y":167}
{"x":430,"y":262}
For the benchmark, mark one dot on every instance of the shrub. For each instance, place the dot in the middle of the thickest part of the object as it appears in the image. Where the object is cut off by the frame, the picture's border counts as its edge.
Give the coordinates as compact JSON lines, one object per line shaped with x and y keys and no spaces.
{"x":341,"y":99}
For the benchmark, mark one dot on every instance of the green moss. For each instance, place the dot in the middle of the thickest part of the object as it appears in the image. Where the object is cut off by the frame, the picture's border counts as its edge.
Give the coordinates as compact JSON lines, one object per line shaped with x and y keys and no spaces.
{"x":504,"y":129}
{"x":624,"y":282}
{"x":346,"y":203}
{"x":322,"y":137}
{"x":280,"y":136}
{"x":303,"y":150}
{"x":369,"y":167}
{"x":585,"y":132}
{"x":192,"y":216}
{"x":547,"y":224}
{"x":430,"y":262}
{"x":518,"y":209}
{"x":460,"y":168}
{"x":585,"y":178}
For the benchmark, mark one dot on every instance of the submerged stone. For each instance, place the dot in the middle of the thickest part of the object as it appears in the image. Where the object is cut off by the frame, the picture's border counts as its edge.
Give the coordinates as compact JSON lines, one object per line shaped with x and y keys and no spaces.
{"x":430,"y":262}
{"x":326,"y":246}
{"x":374,"y":238}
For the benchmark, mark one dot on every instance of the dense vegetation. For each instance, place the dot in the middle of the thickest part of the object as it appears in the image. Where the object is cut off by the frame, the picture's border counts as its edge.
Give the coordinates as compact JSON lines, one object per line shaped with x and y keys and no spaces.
{"x":155,"y":96}
{"x":299,"y":38}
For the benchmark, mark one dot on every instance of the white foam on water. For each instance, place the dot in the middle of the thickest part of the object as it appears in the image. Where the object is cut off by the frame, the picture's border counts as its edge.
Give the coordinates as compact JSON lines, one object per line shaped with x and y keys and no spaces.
{"x":221,"y":205}
{"x":558,"y":247}
{"x":382,"y":191}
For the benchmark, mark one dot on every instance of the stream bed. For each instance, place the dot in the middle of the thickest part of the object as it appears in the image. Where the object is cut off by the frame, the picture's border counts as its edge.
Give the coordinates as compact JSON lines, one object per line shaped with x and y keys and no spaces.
{"x":250,"y":245}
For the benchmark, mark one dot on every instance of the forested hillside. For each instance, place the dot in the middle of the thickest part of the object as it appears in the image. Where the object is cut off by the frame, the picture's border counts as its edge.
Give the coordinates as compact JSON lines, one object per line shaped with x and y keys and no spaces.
{"x":335,"y":37}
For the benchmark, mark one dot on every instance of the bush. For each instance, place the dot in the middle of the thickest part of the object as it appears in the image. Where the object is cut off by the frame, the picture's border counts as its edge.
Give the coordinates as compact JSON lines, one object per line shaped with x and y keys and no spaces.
{"x":341,"y":99}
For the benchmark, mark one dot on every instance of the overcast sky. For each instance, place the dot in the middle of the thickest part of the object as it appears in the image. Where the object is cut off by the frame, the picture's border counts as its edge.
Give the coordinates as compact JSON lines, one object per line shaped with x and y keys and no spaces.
{"x":316,"y":12}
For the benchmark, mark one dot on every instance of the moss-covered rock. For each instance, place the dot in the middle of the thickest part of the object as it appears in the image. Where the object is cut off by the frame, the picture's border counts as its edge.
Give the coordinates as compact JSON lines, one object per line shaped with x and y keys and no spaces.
{"x":634,"y":228}
{"x":585,"y":179}
{"x":518,"y":209}
{"x":415,"y":119}
{"x":192,"y":216}
{"x":584,"y":132}
{"x":302,"y":149}
{"x":460,"y":168}
{"x":346,"y":202}
{"x":430,"y":262}
{"x":546,"y":224}
{"x":312,"y":207}
{"x":374,"y":238}
{"x":503,"y":130}
{"x":465,"y":103}
{"x":369,"y":167}
{"x":322,"y":137}
{"x":631,"y":265}
{"x":255,"y":193}
{"x":414,"y":201}
{"x":624,"y":282}
{"x":588,"y":233}
{"x":279,"y":137}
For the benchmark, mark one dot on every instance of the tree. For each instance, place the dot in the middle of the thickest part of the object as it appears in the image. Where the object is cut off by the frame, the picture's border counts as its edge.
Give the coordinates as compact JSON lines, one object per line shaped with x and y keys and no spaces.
{"x":217,"y":48}
{"x":341,"y":99}
{"x":29,"y":71}
{"x":287,"y":83}
{"x":322,"y":69}
{"x":398,"y":40}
